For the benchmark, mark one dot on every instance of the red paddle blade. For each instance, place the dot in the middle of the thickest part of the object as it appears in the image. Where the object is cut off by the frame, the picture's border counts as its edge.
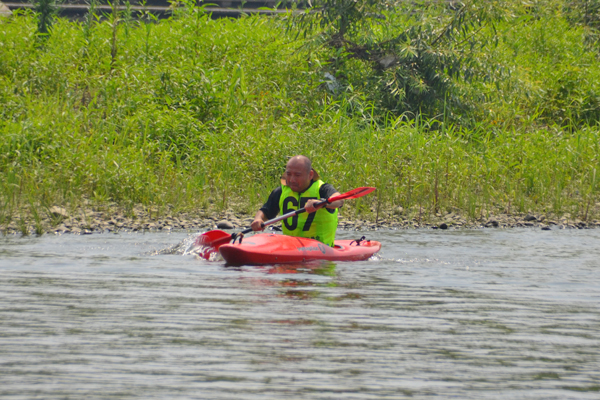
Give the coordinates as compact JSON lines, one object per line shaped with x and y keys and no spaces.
{"x":213,"y":238}
{"x":211,"y":241}
{"x":353,"y":194}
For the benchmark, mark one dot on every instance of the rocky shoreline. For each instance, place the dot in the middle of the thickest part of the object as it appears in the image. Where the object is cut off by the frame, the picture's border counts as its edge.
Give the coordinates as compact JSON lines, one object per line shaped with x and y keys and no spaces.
{"x":91,"y":220}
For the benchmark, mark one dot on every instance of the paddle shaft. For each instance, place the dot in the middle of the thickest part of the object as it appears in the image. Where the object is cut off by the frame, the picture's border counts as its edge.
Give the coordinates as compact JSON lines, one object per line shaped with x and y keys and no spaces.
{"x":286,"y":216}
{"x":353,"y":194}
{"x":292,"y":214}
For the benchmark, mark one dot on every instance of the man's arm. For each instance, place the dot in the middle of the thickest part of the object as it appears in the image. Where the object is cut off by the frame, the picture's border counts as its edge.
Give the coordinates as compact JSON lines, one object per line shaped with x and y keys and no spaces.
{"x":268,"y":211}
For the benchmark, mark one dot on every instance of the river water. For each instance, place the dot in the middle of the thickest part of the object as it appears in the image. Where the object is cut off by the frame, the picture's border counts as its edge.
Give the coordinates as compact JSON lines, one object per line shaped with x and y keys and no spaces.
{"x":473,"y":314}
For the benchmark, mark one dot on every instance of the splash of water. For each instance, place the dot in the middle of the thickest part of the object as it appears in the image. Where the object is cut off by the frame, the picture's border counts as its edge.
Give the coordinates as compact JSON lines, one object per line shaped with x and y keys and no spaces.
{"x":182,"y":248}
{"x":191,"y":246}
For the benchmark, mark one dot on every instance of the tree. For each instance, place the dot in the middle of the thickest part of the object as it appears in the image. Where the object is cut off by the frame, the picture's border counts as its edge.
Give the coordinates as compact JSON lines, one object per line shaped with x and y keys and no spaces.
{"x":46,"y":10}
{"x":415,"y":51}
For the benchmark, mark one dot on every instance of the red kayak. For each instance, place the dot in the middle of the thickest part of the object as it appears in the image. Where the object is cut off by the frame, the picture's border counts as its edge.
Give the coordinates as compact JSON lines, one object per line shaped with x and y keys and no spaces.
{"x":268,"y":248}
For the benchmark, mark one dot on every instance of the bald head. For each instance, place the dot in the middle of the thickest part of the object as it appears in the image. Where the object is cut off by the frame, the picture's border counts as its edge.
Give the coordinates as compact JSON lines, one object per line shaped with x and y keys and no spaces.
{"x":299,"y":173}
{"x":301,"y":162}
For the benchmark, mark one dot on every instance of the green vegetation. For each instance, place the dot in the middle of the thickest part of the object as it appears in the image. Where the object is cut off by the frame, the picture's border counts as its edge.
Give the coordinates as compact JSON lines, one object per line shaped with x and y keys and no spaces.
{"x":472,"y":109}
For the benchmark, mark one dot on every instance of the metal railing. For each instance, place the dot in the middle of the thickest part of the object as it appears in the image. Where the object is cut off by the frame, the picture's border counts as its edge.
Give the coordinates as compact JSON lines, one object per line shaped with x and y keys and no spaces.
{"x":164,"y":8}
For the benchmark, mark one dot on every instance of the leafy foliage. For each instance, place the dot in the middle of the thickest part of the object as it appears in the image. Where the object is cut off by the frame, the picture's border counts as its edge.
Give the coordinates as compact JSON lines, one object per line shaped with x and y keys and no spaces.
{"x":586,"y":12}
{"x":415,"y":52}
{"x":192,"y":112}
{"x":46,"y":11}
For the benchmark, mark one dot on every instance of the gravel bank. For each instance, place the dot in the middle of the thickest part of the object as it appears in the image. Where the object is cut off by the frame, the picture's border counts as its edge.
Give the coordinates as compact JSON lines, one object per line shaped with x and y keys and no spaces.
{"x":90,"y":220}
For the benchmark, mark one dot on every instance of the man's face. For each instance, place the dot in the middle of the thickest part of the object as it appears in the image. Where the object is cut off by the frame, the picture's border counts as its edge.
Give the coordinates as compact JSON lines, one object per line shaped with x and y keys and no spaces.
{"x":298,"y":176}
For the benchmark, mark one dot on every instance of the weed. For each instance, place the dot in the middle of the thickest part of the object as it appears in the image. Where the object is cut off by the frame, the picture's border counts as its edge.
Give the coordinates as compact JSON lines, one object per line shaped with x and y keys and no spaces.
{"x":196,"y":113}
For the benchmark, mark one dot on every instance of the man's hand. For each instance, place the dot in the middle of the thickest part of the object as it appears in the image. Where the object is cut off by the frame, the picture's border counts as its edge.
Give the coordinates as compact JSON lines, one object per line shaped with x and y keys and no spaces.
{"x":310,"y":205}
{"x":257,"y":225}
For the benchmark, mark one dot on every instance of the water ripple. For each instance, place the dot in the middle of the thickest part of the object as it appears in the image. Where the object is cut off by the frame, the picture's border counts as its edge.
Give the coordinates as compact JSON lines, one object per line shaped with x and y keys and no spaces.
{"x":112,"y":317}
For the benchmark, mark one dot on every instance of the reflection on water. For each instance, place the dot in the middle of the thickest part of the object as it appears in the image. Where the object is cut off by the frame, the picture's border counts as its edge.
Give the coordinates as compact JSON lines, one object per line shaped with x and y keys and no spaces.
{"x":458,"y":314}
{"x":293,"y":280}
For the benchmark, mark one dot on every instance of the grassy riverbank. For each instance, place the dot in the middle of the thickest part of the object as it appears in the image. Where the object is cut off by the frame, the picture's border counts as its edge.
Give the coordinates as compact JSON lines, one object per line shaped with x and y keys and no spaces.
{"x":197,"y":115}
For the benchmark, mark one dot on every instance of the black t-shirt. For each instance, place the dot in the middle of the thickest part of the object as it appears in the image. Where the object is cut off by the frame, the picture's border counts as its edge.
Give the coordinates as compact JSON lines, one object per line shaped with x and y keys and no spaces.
{"x":271,"y":207}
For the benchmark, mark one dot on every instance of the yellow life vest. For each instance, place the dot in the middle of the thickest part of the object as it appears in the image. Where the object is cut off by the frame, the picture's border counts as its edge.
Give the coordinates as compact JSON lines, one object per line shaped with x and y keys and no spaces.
{"x":320,"y":225}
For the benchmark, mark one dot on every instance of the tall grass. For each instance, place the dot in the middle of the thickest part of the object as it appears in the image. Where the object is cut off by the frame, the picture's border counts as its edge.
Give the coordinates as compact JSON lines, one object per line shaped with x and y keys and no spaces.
{"x":192,"y":113}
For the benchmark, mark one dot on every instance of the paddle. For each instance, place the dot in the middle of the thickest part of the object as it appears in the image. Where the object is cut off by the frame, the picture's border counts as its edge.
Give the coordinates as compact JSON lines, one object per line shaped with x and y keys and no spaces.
{"x":215,"y":238}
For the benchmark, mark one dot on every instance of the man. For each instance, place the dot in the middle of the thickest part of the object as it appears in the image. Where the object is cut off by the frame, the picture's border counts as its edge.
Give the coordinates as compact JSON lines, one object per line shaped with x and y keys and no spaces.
{"x":302,"y":188}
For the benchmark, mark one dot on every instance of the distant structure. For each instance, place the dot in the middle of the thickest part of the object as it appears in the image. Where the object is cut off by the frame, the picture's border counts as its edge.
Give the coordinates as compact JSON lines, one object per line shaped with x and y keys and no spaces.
{"x":4,"y":11}
{"x":163,"y":8}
